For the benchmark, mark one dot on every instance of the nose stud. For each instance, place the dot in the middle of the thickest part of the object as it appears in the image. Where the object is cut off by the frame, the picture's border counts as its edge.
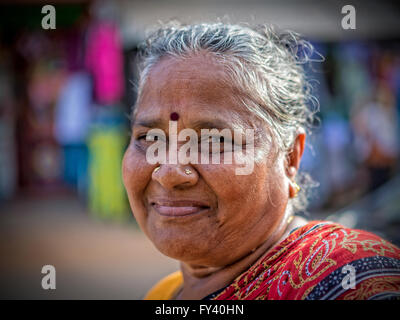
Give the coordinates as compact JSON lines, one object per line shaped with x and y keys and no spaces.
{"x":156,"y":169}
{"x":187,"y":171}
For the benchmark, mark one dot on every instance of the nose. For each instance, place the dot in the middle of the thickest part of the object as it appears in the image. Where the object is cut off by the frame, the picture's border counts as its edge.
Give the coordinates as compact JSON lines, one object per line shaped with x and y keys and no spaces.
{"x":175,"y":176}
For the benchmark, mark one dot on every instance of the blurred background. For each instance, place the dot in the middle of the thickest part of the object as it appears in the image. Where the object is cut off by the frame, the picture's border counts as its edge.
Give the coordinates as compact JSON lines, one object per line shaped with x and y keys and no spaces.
{"x":65,"y":99}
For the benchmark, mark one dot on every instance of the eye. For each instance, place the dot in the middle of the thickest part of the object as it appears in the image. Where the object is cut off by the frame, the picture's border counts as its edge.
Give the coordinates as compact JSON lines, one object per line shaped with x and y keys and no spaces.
{"x":145,"y":140}
{"x":217,"y":139}
{"x":148,"y":137}
{"x":214,"y":141}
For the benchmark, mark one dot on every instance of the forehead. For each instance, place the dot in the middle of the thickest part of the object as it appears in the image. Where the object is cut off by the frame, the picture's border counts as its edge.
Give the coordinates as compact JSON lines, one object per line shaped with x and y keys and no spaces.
{"x":186,"y":85}
{"x":195,"y":87}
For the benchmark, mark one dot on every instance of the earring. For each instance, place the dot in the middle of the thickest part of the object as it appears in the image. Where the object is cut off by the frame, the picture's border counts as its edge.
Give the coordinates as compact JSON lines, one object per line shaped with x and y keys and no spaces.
{"x":297,"y":189}
{"x":188,"y":171}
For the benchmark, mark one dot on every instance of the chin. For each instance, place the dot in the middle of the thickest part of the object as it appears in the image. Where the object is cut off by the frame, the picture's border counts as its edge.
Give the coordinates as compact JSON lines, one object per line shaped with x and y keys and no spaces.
{"x":181,"y":248}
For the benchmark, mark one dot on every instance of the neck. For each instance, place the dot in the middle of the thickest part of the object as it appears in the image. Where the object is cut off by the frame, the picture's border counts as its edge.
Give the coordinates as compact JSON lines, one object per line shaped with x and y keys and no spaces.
{"x":200,"y":281}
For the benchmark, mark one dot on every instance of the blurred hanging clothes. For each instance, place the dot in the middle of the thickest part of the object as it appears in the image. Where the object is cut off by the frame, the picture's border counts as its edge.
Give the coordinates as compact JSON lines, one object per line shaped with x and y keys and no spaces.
{"x":39,"y":151}
{"x":107,"y":142}
{"x":353,"y":79}
{"x":104,"y":60}
{"x":377,"y":142}
{"x":337,"y":137}
{"x":72,"y":121}
{"x":107,"y":139}
{"x":396,"y":86}
{"x":8,"y":155}
{"x":388,"y":73}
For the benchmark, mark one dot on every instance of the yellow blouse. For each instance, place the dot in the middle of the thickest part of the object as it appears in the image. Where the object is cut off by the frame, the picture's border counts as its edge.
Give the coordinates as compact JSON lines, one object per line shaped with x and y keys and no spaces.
{"x":166,"y":288}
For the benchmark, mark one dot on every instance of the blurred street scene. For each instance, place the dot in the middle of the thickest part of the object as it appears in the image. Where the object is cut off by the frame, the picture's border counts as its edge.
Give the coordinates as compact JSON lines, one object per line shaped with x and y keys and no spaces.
{"x":65,"y":100}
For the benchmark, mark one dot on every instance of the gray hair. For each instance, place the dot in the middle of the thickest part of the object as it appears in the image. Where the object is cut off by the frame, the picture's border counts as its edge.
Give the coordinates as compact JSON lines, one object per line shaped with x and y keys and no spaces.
{"x":265,"y":64}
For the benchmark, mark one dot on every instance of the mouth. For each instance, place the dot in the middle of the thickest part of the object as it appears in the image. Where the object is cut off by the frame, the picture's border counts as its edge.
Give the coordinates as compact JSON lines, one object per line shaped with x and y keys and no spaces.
{"x":179,"y":208}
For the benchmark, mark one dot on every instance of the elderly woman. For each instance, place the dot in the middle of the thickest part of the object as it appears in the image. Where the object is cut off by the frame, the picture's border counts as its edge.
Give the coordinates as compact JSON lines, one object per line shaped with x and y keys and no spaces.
{"x":235,"y":234}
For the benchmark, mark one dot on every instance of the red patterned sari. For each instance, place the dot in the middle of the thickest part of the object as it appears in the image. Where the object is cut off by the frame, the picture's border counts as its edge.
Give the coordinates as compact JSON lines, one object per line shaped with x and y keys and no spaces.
{"x":321,"y":261}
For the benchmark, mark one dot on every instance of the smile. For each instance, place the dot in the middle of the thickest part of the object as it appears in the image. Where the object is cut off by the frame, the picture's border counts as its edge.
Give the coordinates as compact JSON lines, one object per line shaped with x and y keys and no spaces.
{"x":178,"y":208}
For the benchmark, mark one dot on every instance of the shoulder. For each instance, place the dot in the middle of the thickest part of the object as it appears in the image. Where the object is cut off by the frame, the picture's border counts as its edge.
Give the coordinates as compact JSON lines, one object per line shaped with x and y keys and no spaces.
{"x":330,"y":261}
{"x":322,"y":260}
{"x":342,"y":243}
{"x":166,"y":288}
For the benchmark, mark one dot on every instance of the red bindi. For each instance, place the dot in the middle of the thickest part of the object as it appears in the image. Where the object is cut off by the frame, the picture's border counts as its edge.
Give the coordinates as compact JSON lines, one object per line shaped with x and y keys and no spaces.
{"x":174,"y":116}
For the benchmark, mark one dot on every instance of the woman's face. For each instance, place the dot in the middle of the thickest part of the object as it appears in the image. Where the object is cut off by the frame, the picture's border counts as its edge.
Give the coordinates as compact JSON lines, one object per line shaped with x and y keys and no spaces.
{"x":223,"y":215}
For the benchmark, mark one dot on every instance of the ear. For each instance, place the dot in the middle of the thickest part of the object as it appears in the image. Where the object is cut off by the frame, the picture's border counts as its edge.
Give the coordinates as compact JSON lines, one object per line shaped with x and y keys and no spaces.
{"x":294,"y":157}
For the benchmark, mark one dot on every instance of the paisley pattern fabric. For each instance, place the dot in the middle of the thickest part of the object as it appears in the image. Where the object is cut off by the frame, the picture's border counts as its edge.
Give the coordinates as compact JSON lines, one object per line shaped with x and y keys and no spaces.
{"x":322,"y":261}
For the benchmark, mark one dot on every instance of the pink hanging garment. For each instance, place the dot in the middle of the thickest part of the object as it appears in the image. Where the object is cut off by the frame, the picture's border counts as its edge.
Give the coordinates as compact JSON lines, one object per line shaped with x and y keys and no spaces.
{"x":104,"y":60}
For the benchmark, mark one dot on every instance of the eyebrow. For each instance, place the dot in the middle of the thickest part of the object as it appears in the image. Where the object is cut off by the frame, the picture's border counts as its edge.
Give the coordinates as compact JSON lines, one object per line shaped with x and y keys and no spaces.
{"x":210,"y":124}
{"x":196,"y":125}
{"x":149,"y":123}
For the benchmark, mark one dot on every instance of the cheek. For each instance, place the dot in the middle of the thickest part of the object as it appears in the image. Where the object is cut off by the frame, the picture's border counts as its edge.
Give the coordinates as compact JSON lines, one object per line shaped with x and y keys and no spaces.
{"x":136,"y":173}
{"x":247,"y":205}
{"x":221,"y":179}
{"x":128,"y":169}
{"x":260,"y":193}
{"x":234,"y":193}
